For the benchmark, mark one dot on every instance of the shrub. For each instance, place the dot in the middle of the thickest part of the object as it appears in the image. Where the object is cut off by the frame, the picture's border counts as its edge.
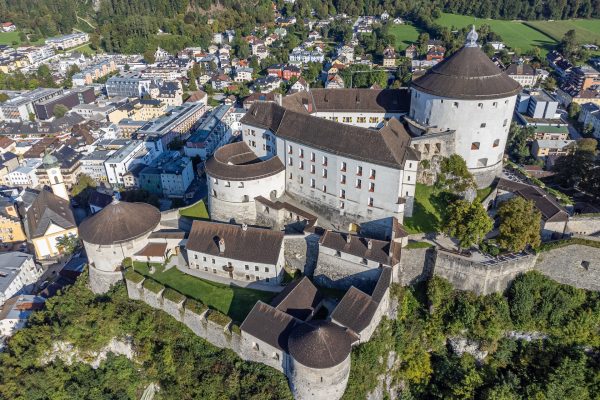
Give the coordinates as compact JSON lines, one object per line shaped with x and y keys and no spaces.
{"x":153,"y":286}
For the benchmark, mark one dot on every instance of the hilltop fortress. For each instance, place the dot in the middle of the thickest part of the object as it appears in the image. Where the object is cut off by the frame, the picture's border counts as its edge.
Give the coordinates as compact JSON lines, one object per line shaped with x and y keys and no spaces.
{"x":310,"y":168}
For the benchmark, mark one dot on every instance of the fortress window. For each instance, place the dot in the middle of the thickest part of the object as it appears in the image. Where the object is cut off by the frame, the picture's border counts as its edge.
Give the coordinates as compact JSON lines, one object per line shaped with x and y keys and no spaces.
{"x":301,"y":165}
{"x":342,"y":193}
{"x":256,"y":278}
{"x":325,"y":188}
{"x":241,"y":184}
{"x":343,"y":166}
{"x":204,"y":259}
{"x":248,"y":278}
{"x":255,"y":346}
{"x":483,"y":124}
{"x":358,"y":183}
{"x":373,"y":120}
{"x":370,"y":202}
{"x":338,"y":253}
{"x":372,"y":174}
{"x":496,"y":143}
{"x":247,"y":267}
{"x":256,"y":268}
{"x":480,"y":105}
{"x":205,"y":269}
{"x":324,"y":161}
{"x":505,"y":122}
{"x":495,"y":104}
{"x":361,"y":120}
{"x":215,"y":181}
{"x":312,"y":183}
{"x":290,"y":162}
{"x":290,"y":176}
{"x":324,"y":173}
{"x":359,"y":170}
{"x":301,"y":180}
{"x":312,"y":156}
{"x":214,"y":193}
{"x":408,"y":178}
{"x":266,"y":279}
{"x":312,"y":169}
{"x":341,"y":205}
{"x":227,"y":184}
{"x":213,"y":260}
{"x":301,"y":153}
{"x":475,"y":146}
{"x":482,"y":162}
{"x":364,"y":261}
{"x":214,"y":270}
{"x":266,"y":269}
{"x":289,"y":149}
{"x":343,"y":179}
{"x":371,"y":187}
{"x":455,"y":104}
{"x":347,"y":119}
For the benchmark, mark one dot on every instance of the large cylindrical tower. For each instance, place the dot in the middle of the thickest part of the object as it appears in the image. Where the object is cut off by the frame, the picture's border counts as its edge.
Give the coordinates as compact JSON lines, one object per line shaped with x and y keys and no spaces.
{"x":118,"y":231}
{"x":468,"y":94}
{"x":319,"y":361}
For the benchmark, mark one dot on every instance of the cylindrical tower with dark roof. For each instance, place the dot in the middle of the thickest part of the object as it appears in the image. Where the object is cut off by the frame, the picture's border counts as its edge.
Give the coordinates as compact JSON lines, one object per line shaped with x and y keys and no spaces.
{"x":469,"y":95}
{"x":319,"y":361}
{"x":118,"y":231}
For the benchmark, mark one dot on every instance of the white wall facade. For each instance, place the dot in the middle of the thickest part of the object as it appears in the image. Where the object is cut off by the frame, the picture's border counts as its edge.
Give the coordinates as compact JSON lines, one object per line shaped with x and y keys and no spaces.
{"x":242,"y":270}
{"x":361,"y":119}
{"x":481,"y":125}
{"x":23,"y":280}
{"x":318,"y":384}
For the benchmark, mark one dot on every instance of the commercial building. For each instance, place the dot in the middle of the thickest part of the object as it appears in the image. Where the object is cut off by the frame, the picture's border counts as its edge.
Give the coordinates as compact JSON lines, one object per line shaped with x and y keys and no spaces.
{"x":215,"y":130}
{"x":127,"y":86}
{"x":45,"y":109}
{"x":93,"y":165}
{"x":19,"y":108}
{"x":170,"y":175}
{"x":18,"y":274}
{"x":65,"y":42}
{"x":177,"y":123}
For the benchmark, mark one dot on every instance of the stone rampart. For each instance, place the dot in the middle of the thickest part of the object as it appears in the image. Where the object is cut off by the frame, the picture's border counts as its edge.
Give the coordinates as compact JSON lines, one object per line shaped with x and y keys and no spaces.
{"x":301,"y":252}
{"x":576,"y":265}
{"x":583,"y":224}
{"x":466,"y":274}
{"x":338,"y":273}
{"x":216,"y":329}
{"x":416,"y":265}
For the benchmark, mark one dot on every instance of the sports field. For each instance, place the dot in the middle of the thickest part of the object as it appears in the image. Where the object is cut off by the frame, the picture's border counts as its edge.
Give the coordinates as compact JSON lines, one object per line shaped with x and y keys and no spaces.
{"x":517,"y":35}
{"x":587,"y":30}
{"x":405,"y":34}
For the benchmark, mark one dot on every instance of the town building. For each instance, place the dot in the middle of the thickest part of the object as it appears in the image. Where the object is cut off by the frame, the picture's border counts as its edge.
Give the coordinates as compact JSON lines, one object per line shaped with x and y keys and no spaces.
{"x":11,"y":229}
{"x":177,"y":124}
{"x":464,"y":105}
{"x":18,"y":274}
{"x":45,"y":109}
{"x":24,"y":175}
{"x":71,"y":40}
{"x":127,"y":86}
{"x":88,"y":75}
{"x":121,"y":161}
{"x":523,"y":73}
{"x":544,"y":148}
{"x":93,"y":165}
{"x":16,"y":311}
{"x":590,"y":117}
{"x":20,"y":108}
{"x":216,"y":129}
{"x":170,"y":175}
{"x":50,"y":218}
{"x":389,"y":57}
{"x":236,"y":252}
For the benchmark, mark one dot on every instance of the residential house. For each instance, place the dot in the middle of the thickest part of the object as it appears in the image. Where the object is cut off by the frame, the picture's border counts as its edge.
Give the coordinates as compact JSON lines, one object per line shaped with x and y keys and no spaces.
{"x":18,"y":274}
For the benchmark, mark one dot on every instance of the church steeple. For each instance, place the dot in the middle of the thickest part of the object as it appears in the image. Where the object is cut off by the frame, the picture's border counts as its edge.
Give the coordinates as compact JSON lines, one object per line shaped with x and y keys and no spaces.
{"x":55,"y":177}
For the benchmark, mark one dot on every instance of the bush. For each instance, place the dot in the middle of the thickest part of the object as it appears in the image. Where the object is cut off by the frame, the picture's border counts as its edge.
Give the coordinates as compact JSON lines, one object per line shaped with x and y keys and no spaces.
{"x":195,"y":306}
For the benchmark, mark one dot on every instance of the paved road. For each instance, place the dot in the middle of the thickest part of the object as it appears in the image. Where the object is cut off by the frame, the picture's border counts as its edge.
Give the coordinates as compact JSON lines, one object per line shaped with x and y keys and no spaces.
{"x":573,"y":133}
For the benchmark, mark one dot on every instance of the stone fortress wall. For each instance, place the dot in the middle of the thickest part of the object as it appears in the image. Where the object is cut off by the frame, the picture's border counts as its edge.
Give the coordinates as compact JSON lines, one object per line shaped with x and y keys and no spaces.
{"x":575,"y":264}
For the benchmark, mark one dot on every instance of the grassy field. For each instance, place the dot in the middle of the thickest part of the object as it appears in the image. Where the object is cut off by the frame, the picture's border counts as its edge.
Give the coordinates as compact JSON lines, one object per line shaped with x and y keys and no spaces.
{"x":515,"y":34}
{"x":10,"y":37}
{"x":197,"y":211}
{"x":426,"y":212}
{"x":405,"y":34}
{"x":235,"y":302}
{"x":587,"y":30}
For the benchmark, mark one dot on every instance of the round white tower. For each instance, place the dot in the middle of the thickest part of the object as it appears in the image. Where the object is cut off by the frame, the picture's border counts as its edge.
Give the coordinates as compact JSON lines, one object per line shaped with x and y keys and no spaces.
{"x":469,"y":95}
{"x":55,"y":177}
{"x":319,"y":361}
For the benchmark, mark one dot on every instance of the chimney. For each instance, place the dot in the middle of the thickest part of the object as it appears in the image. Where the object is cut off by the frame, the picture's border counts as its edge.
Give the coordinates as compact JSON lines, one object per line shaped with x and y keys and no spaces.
{"x":348,"y":237}
{"x":221,"y":245}
{"x":244,"y":227}
{"x":278,"y":98}
{"x":370,"y":244}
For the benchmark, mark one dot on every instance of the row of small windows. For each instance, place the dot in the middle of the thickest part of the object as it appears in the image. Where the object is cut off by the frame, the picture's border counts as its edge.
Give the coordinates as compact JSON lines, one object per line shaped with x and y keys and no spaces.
{"x":359,"y":120}
{"x":246,"y":266}
{"x":228,"y":183}
{"x":477,"y":145}
{"x":257,"y":278}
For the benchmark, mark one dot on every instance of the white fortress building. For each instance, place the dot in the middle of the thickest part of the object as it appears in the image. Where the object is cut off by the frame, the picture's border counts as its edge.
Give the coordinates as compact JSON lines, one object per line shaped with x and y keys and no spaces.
{"x":347,"y":174}
{"x":464,"y":105}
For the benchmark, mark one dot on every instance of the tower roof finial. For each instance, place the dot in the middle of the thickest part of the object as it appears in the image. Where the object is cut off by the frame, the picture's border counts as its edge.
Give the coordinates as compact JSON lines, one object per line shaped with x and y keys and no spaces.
{"x":472,"y":38}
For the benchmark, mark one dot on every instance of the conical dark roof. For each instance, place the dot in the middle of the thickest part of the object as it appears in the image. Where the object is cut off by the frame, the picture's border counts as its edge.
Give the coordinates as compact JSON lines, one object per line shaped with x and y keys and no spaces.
{"x":119,"y":222}
{"x":468,"y":74}
{"x":319,"y":344}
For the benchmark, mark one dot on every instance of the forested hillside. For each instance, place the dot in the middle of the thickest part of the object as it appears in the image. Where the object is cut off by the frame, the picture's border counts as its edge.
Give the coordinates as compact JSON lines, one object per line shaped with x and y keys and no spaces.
{"x":132,"y":25}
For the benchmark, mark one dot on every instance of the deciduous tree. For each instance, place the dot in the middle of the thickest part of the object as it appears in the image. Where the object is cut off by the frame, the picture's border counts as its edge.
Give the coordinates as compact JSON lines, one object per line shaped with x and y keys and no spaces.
{"x":520,"y":224}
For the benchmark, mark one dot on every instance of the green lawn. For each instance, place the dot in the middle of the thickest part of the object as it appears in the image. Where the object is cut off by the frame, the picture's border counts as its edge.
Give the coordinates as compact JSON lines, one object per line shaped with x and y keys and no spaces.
{"x":235,"y":302}
{"x":515,"y":34}
{"x":197,"y":211}
{"x":587,"y":30}
{"x":10,"y":37}
{"x":426,"y":212}
{"x":405,"y":34}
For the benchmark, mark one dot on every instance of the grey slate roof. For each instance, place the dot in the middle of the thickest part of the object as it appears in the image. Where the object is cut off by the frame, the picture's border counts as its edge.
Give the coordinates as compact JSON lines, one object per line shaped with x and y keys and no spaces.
{"x":468,"y":74}
{"x":358,"y":246}
{"x":388,"y":146}
{"x":350,"y":100}
{"x":48,"y":209}
{"x":319,"y":344}
{"x":550,"y":209}
{"x":236,"y":161}
{"x":253,"y":245}
{"x":269,"y":324}
{"x":10,"y":263}
{"x":300,"y":299}
{"x":119,"y":222}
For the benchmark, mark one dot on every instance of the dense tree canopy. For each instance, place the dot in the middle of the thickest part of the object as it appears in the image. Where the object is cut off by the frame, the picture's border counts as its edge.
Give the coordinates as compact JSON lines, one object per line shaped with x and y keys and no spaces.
{"x":519,"y":224}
